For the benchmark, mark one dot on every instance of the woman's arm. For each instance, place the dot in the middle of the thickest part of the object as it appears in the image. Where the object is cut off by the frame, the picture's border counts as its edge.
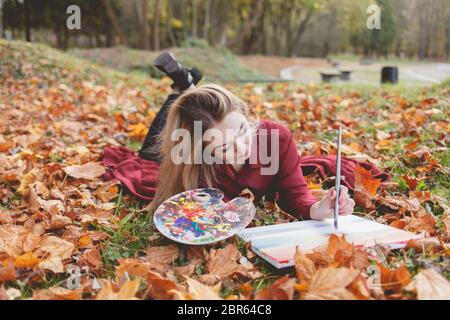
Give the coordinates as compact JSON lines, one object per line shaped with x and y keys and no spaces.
{"x":294,"y":196}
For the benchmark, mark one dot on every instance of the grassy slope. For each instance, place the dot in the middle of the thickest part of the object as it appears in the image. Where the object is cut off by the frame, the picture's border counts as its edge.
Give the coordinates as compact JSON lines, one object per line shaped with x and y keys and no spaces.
{"x":218,"y":65}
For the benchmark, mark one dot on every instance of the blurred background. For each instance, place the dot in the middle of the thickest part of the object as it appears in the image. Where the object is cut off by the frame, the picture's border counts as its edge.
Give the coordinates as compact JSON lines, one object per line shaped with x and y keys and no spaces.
{"x":247,"y":40}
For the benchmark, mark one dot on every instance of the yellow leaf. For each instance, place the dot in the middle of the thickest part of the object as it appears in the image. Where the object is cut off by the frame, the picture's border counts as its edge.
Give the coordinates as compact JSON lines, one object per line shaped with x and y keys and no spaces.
{"x":26,"y":260}
{"x":84,"y":241}
{"x":138,"y":130}
{"x":27,"y":180}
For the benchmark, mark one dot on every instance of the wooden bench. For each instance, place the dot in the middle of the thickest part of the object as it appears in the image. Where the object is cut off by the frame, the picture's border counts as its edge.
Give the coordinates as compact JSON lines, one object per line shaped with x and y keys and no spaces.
{"x":330,"y":76}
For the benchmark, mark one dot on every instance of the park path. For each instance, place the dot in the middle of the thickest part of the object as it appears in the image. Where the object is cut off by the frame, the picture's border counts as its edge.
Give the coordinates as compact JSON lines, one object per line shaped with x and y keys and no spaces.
{"x":424,"y":73}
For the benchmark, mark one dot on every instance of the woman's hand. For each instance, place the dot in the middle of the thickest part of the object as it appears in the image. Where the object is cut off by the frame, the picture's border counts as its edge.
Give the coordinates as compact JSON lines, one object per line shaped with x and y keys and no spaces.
{"x":324,"y":208}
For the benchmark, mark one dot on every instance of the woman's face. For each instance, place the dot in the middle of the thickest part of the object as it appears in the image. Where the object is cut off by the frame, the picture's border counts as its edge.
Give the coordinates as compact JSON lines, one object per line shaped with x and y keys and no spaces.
{"x":231,"y":139}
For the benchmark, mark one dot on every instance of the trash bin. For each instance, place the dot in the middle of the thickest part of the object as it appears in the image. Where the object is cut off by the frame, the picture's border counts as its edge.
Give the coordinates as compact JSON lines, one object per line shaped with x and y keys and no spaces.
{"x":389,"y":75}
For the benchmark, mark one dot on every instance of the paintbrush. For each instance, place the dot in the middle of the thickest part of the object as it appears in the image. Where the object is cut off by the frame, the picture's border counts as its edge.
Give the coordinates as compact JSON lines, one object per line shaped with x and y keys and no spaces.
{"x":338,"y":180}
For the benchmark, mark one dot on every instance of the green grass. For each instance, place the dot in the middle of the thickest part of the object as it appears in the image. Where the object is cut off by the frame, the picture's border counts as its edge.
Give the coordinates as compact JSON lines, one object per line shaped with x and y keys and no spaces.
{"x":129,"y":237}
{"x":217,"y":64}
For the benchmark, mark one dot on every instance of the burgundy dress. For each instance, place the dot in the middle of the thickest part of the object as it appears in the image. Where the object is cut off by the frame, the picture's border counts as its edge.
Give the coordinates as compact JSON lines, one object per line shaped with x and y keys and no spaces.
{"x":287,"y":185}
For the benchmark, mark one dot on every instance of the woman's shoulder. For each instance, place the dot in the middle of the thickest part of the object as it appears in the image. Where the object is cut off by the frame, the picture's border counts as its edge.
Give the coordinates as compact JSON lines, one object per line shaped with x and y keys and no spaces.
{"x":274,"y":127}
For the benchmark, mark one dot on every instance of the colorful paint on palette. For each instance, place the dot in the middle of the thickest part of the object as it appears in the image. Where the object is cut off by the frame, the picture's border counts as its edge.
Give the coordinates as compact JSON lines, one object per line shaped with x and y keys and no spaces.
{"x":277,"y":243}
{"x":200,"y":216}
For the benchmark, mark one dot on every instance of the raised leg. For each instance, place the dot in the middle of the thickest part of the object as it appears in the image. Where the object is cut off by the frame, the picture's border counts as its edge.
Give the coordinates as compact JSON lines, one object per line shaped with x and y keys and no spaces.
{"x":148,"y":151}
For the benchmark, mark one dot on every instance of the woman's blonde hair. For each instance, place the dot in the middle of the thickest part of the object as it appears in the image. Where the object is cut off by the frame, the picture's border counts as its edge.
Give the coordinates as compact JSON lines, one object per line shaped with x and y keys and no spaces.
{"x":209,"y":103}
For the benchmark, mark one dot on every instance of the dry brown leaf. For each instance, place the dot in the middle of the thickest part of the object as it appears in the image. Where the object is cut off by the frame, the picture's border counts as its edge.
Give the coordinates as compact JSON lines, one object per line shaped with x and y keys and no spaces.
{"x":126,"y":292}
{"x":52,"y":263}
{"x":423,"y":222}
{"x":394,"y":280}
{"x":425,"y":245}
{"x":50,"y":206}
{"x":304,"y":267}
{"x":446,"y":221}
{"x":198,"y":291}
{"x":330,"y":284}
{"x":132,"y":267}
{"x":7,"y":270}
{"x":28,"y":179}
{"x":57,"y":247}
{"x":91,"y":258}
{"x":89,"y":171}
{"x":222,"y":263}
{"x":282,"y":289}
{"x":161,"y":288}
{"x":185,"y":271}
{"x":57,"y":293}
{"x":162,"y":254}
{"x":430,"y":285}
{"x":339,"y":252}
{"x":57,"y":222}
{"x":366,"y":187}
{"x":12,"y":239}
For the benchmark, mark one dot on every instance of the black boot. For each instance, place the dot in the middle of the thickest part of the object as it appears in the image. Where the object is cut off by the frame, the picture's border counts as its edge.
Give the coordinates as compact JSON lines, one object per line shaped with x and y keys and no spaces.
{"x":182,"y":78}
{"x":196,"y":74}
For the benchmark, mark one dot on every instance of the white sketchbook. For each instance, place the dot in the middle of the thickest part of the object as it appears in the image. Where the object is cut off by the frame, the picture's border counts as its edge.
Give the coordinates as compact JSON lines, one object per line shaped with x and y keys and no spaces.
{"x":277,"y":243}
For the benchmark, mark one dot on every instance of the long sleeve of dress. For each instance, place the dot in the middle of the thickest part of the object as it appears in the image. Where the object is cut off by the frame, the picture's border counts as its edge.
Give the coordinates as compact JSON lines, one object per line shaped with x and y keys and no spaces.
{"x":294,"y":195}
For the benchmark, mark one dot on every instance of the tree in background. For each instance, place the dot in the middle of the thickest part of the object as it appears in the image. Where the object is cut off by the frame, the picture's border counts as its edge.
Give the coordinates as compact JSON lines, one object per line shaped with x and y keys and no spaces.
{"x":1,"y":18}
{"x":155,"y":25}
{"x":276,"y":27}
{"x":378,"y":41}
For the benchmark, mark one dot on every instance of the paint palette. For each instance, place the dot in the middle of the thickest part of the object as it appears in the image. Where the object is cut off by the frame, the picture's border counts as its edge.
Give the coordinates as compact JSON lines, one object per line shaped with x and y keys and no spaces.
{"x":200,"y":216}
{"x":277,"y":243}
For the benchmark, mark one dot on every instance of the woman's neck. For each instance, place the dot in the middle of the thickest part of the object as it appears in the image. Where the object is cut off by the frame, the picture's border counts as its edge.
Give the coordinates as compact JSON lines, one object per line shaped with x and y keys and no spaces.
{"x":238,"y":167}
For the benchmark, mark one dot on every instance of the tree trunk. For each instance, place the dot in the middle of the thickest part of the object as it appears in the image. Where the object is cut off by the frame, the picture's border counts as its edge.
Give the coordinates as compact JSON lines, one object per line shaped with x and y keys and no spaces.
{"x":247,"y":33}
{"x":26,"y":12}
{"x":221,"y":19}
{"x":59,"y":40}
{"x":65,"y":43}
{"x":300,"y":30}
{"x":109,"y":38}
{"x":172,"y":39}
{"x":194,"y":19}
{"x":1,"y":19}
{"x":155,"y":26}
{"x":114,"y":21}
{"x":144,"y":24}
{"x":447,"y":35}
{"x":207,"y":20}
{"x":141,"y":12}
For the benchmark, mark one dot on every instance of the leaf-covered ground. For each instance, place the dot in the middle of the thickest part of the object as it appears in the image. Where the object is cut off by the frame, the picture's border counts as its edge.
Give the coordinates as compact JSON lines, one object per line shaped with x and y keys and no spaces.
{"x":67,"y":234}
